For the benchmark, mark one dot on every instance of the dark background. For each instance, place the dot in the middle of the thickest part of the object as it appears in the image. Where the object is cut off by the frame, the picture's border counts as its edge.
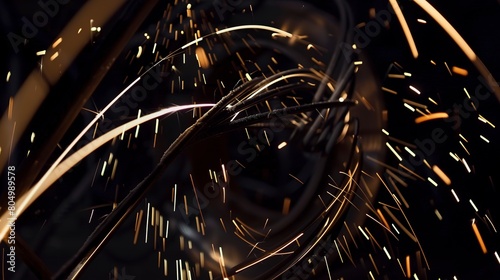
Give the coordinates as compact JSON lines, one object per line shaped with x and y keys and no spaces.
{"x":56,"y":225}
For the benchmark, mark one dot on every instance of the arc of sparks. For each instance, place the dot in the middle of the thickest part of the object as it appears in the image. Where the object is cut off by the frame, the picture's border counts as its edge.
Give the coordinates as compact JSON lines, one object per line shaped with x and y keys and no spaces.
{"x":60,"y":169}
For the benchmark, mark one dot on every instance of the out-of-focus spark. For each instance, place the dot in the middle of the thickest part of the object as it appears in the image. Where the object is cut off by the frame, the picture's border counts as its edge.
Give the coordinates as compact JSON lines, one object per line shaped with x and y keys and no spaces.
{"x":441,"y":175}
{"x":91,"y":215}
{"x":421,"y":21}
{"x":282,"y":145}
{"x":408,"y":266}
{"x":286,"y":205}
{"x":404,"y":25}
{"x":389,"y":90}
{"x":497,"y":256}
{"x":54,"y":56}
{"x":479,"y":237}
{"x":438,"y":215}
{"x":40,"y":53}
{"x":432,"y":116}
{"x":57,"y":42}
{"x":459,"y":71}
{"x":385,"y":132}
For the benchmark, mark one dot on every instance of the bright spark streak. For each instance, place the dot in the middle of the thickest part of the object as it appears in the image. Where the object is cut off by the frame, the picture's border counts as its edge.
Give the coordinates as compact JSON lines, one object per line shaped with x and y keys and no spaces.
{"x":387,"y":253}
{"x":393,"y":151}
{"x":432,"y":181}
{"x":473,"y":205}
{"x":413,"y":88}
{"x":364,"y":233}
{"x":484,"y":138}
{"x":404,"y":25}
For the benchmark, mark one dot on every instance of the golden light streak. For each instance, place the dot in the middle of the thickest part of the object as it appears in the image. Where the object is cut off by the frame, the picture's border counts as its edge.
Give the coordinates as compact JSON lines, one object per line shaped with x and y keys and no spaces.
{"x":11,"y":108}
{"x":459,"y":71}
{"x":433,"y":116}
{"x":408,"y":266}
{"x":286,"y":206}
{"x":57,"y":42}
{"x":54,"y":56}
{"x":441,"y":175}
{"x":389,"y":90}
{"x":383,"y":219}
{"x":432,"y":100}
{"x":479,"y":237}
{"x":202,"y":58}
{"x":404,"y":25}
